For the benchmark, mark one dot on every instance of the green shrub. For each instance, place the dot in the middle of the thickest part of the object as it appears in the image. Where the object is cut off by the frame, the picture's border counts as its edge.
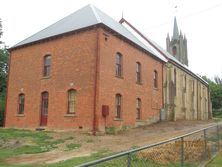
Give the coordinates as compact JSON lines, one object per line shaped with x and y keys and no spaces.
{"x":124,"y":128}
{"x":217,"y":113}
{"x":111,"y":130}
{"x":2,"y":109}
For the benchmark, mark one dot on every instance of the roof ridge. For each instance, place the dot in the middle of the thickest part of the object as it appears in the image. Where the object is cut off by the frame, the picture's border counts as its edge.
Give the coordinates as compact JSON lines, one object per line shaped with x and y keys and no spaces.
{"x":95,"y":13}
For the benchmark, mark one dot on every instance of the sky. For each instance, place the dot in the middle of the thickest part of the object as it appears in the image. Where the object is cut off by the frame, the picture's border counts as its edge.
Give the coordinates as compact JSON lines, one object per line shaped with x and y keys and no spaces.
{"x":199,"y":20}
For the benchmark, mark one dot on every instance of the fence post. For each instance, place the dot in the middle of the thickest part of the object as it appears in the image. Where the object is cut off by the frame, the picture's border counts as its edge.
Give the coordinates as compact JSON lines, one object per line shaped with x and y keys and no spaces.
{"x":205,"y":143}
{"x":182,"y":152}
{"x":218,"y":137}
{"x":129,"y":160}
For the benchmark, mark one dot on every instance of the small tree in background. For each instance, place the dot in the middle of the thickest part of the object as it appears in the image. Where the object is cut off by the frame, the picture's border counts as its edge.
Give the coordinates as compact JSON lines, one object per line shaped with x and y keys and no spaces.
{"x":218,"y":80}
{"x":1,"y":28}
{"x":3,"y":76}
{"x":216,"y":94}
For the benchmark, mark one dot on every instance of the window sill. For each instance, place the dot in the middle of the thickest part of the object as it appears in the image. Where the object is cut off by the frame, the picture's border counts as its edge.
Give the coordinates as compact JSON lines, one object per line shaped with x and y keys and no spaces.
{"x":70,"y":115}
{"x":46,"y":77}
{"x":120,"y":77}
{"x":20,"y":115}
{"x":139,"y":83}
{"x":155,"y":108}
{"x":118,"y":119}
{"x":156,"y":89}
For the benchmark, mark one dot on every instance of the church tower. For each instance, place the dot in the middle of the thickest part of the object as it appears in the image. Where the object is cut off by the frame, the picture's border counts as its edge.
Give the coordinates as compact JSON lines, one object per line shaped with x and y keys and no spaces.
{"x":177,"y":45}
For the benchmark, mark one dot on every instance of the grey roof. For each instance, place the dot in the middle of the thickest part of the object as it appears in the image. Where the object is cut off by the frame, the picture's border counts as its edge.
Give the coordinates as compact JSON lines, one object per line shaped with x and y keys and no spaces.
{"x":86,"y":17}
{"x":175,"y":30}
{"x":157,"y":48}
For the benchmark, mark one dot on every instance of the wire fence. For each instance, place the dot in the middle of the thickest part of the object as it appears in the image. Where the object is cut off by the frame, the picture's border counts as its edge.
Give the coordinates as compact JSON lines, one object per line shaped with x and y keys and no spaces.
{"x":192,"y":149}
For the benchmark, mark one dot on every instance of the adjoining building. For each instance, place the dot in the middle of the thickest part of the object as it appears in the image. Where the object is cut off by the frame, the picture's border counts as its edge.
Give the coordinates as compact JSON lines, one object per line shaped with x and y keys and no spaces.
{"x":88,"y":72}
{"x":186,"y":95}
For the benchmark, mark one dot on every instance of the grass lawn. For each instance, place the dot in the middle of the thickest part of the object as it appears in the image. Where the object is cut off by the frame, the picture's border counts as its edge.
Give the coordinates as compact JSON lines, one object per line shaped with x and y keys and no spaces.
{"x":79,"y":160}
{"x":15,"y":142}
{"x":217,"y":161}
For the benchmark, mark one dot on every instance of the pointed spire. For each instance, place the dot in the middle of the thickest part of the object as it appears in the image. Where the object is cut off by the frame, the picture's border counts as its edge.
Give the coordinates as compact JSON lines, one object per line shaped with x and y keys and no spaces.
{"x":175,"y":30}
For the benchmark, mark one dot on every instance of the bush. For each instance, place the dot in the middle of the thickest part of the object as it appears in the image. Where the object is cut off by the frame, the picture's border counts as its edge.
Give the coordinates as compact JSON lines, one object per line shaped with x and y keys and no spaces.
{"x":217,"y":113}
{"x":111,"y":130}
{"x":2,"y":110}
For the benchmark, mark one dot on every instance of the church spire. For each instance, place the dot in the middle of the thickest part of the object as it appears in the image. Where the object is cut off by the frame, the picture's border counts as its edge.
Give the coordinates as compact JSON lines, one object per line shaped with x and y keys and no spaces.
{"x":177,"y":45}
{"x":175,"y":30}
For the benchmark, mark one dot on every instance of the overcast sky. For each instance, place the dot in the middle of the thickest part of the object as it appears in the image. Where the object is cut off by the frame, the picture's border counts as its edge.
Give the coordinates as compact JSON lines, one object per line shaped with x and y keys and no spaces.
{"x":200,"y":20}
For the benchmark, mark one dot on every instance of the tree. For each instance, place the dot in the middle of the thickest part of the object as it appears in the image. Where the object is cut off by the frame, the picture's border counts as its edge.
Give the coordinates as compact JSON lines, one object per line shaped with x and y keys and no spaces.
{"x":216,"y":91}
{"x":3,"y":76}
{"x":3,"y":69}
{"x":0,"y":29}
{"x":218,"y":80}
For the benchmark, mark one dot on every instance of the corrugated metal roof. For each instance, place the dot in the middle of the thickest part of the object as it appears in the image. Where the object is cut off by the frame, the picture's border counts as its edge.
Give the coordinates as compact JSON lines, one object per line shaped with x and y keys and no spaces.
{"x":85,"y":17}
{"x":82,"y":18}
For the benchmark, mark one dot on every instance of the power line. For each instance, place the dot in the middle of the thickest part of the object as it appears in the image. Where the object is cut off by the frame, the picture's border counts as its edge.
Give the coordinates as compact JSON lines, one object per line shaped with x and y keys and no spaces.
{"x":184,"y":17}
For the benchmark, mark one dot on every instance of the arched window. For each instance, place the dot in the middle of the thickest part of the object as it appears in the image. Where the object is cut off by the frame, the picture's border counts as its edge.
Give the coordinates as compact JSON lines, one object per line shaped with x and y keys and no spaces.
{"x":138,"y":72}
{"x":118,"y":105}
{"x":47,"y":65}
{"x":174,"y":51}
{"x":185,"y":81}
{"x":138,"y":108}
{"x":155,"y":79}
{"x":21,"y":105}
{"x":71,"y":101}
{"x":119,"y":65}
{"x":45,"y":99}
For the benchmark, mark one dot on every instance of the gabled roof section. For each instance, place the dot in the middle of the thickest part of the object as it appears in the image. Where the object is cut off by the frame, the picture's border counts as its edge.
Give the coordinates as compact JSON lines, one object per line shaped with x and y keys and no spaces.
{"x":83,"y":18}
{"x":162,"y":51}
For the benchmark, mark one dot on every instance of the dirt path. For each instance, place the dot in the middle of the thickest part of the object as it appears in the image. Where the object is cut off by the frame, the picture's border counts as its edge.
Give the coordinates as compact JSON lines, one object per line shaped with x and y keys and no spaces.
{"x":114,"y":143}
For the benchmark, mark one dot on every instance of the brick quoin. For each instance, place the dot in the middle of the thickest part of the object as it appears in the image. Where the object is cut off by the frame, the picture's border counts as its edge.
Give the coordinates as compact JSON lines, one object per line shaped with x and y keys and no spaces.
{"x":84,"y":61}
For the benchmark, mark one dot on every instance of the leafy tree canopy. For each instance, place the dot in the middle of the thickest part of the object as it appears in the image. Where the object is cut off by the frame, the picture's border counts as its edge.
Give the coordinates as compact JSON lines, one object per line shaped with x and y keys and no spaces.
{"x":3,"y":69}
{"x":216,"y":91}
{"x":0,"y":30}
{"x":3,"y":65}
{"x":3,"y":75}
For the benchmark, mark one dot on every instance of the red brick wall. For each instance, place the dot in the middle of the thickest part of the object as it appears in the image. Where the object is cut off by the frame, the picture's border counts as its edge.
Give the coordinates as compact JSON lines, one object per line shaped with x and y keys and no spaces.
{"x":73,"y":64}
{"x":110,"y":85}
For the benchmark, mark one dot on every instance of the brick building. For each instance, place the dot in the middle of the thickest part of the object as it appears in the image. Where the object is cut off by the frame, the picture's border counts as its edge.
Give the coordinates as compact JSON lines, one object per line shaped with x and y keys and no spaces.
{"x":70,"y":74}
